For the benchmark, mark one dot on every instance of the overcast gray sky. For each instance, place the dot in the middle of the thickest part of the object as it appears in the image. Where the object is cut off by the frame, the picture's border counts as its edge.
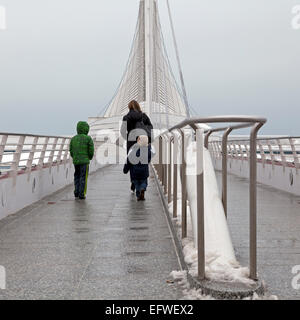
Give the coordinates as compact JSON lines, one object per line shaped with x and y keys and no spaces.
{"x":61,"y":60}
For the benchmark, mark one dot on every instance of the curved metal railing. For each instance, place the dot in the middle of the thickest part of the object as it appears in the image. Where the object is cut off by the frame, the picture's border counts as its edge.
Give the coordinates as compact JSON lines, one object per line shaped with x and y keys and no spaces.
{"x":281,"y":150}
{"x":163,"y":168}
{"x":25,"y":152}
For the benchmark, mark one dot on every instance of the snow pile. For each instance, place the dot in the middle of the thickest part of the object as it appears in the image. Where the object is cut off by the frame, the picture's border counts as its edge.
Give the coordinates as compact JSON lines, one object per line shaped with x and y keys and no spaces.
{"x":196,"y":294}
{"x":217,"y":237}
{"x":264,"y":297}
{"x":181,"y":278}
{"x":188,"y":294}
{"x":215,"y":267}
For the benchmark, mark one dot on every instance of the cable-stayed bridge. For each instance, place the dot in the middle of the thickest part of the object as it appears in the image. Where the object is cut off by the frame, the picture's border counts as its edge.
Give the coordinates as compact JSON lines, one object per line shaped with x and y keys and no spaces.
{"x":232,"y":231}
{"x":148,"y":78}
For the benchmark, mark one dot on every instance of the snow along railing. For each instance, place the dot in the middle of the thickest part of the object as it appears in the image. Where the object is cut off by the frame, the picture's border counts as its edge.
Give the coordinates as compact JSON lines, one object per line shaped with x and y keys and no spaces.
{"x":278,"y":159}
{"x":32,"y":167}
{"x":163,"y":168}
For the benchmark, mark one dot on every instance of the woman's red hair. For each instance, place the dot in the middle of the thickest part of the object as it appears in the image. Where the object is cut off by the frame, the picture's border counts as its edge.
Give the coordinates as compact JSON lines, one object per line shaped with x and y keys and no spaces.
{"x":134,"y":105}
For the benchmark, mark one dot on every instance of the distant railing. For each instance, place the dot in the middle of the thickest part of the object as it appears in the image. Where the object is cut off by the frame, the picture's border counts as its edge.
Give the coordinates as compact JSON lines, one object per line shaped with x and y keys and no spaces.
{"x":167,"y":156}
{"x":22,"y":153}
{"x":283,"y":151}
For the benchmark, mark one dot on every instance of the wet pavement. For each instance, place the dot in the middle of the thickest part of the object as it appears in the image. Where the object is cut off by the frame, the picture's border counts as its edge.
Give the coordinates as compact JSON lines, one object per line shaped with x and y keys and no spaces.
{"x":278,"y":233}
{"x":107,"y":247}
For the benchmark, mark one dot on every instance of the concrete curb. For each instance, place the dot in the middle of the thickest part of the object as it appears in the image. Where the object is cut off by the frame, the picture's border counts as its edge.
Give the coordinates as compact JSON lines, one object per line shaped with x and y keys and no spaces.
{"x":218,"y":290}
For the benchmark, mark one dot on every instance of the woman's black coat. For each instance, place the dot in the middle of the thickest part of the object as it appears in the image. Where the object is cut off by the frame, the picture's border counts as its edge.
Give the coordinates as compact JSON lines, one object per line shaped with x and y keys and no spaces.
{"x":131,"y":119}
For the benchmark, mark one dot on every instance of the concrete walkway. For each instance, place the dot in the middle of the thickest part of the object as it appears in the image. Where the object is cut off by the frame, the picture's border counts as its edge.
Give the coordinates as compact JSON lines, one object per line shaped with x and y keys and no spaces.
{"x":278,"y":233}
{"x":107,"y":247}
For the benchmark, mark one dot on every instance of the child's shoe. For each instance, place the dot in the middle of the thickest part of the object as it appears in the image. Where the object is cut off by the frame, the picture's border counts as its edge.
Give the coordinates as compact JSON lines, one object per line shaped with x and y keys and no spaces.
{"x":142,"y":195}
{"x":132,"y":187}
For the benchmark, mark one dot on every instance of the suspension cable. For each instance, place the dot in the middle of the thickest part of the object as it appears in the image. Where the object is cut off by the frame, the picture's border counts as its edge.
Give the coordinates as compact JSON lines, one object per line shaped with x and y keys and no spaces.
{"x":178,"y":62}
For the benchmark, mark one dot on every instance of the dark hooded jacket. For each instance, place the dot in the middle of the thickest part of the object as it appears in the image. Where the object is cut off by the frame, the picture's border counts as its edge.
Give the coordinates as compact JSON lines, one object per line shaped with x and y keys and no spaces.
{"x":82,"y":145}
{"x":131,"y":119}
{"x":139,"y":170}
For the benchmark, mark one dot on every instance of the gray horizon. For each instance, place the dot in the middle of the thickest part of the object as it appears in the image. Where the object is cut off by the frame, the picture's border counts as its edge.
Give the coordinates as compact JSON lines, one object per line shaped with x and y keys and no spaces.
{"x":61,"y":61}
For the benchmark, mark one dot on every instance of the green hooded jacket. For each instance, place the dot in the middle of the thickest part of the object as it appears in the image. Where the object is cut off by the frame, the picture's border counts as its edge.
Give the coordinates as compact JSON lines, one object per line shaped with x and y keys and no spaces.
{"x":82,"y":145}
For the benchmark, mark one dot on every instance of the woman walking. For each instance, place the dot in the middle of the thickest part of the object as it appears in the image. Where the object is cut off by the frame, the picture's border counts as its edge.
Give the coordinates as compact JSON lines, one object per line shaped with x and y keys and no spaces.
{"x":133,"y":120}
{"x":135,"y":123}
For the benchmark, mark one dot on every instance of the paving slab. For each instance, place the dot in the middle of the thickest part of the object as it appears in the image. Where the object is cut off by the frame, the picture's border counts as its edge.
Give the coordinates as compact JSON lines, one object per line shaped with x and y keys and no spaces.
{"x":107,"y":247}
{"x":278,"y":233}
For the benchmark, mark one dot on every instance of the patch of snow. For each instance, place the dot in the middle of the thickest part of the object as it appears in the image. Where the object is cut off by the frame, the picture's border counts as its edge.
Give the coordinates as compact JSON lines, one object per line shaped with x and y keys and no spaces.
{"x":217,"y":236}
{"x":196,"y":294}
{"x":255,"y":296}
{"x":216,"y":268}
{"x":188,"y":293}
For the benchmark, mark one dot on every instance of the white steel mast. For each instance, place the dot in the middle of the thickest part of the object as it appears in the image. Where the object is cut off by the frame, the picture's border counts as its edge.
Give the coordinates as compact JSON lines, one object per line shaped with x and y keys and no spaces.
{"x":149,"y":21}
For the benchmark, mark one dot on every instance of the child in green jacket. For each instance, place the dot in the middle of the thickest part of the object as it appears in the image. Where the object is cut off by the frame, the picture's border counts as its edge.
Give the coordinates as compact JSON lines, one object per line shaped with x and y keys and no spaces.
{"x":82,"y":151}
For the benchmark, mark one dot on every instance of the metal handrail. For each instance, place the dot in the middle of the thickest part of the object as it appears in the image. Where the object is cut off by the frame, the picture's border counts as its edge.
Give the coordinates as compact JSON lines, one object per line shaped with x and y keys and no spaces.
{"x":32,"y":135}
{"x":45,"y":151}
{"x":267,"y":138}
{"x":164,"y":174}
{"x":284,"y":151}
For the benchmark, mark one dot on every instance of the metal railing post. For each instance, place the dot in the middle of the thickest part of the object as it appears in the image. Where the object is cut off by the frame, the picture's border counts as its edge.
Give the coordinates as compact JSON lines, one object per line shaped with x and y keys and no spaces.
{"x":232,"y":150}
{"x":183,"y":187}
{"x":169,"y":169}
{"x":164,"y":171}
{"x":282,"y":155}
{"x":224,"y":169}
{"x":52,"y":152}
{"x":43,"y":152}
{"x":66,"y":153}
{"x":262,"y":154}
{"x":165,"y":161}
{"x":207,"y":138}
{"x":200,"y":205}
{"x":31,"y":156}
{"x":272,"y":157}
{"x":16,"y":159}
{"x":175,"y":172}
{"x":160,"y":160}
{"x":295,"y":155}
{"x":2,"y":146}
{"x":242,"y":150}
{"x":58,"y":159}
{"x":253,"y":201}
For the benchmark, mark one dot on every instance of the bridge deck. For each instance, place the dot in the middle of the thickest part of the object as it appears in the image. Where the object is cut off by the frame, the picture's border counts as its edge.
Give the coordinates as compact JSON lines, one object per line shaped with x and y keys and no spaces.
{"x":278,"y":233}
{"x":107,"y":247}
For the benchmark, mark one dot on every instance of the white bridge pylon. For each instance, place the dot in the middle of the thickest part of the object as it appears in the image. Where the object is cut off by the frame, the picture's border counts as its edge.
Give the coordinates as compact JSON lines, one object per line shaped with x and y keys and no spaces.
{"x":148,"y":78}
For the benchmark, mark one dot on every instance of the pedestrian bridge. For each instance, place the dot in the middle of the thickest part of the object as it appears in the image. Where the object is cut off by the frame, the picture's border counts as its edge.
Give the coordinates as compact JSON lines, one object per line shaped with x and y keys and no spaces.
{"x":113,"y":247}
{"x":223,"y":207}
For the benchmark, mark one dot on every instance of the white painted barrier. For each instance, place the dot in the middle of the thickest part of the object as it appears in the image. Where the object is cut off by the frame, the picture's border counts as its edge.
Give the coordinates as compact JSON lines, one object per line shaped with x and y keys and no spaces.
{"x":31,"y":188}
{"x":278,"y":161}
{"x":32,"y":167}
{"x":282,"y":178}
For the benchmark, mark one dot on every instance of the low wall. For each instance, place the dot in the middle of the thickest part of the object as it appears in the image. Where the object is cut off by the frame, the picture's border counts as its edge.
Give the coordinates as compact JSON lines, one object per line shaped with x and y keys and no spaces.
{"x":277,"y":176}
{"x":27,"y":188}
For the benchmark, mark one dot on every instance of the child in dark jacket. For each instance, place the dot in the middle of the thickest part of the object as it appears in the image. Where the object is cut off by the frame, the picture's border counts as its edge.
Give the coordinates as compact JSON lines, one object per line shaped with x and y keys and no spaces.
{"x":138,"y":159}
